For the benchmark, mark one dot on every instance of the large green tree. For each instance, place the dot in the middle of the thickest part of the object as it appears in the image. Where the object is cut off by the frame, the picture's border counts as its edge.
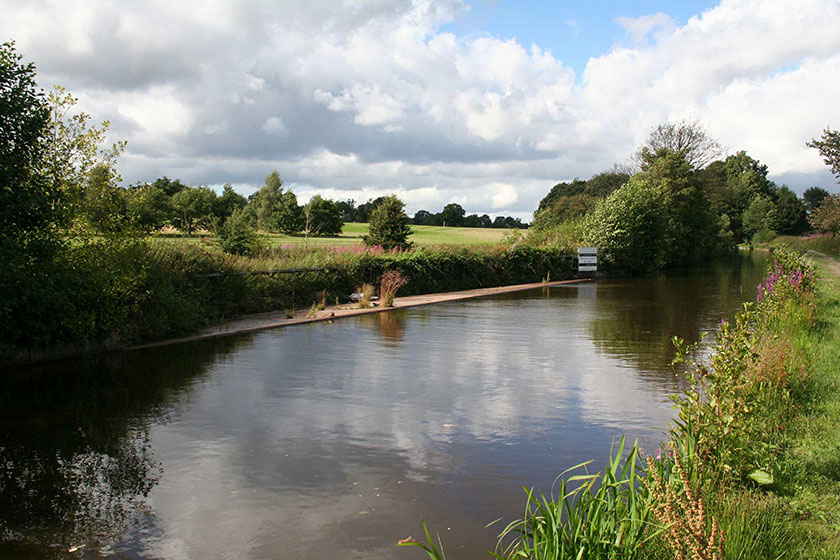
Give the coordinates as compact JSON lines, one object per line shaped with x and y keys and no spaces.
{"x":25,"y":198}
{"x":148,"y":207}
{"x":277,"y":209}
{"x":322,"y":217}
{"x":193,"y":208}
{"x":389,"y":225}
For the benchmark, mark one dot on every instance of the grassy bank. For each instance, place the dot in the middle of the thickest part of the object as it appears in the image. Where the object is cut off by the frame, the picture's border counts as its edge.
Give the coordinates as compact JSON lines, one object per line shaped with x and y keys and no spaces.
{"x":352,"y":233}
{"x":751,"y":468}
{"x":108,"y":292}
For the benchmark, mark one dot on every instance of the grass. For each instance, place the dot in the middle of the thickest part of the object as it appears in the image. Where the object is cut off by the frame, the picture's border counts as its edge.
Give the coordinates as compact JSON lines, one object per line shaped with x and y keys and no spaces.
{"x":352,"y":235}
{"x":826,"y":244}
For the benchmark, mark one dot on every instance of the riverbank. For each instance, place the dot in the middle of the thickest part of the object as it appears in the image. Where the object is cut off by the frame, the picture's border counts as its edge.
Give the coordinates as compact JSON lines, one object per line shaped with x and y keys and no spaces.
{"x":275,"y":319}
{"x":112,"y":293}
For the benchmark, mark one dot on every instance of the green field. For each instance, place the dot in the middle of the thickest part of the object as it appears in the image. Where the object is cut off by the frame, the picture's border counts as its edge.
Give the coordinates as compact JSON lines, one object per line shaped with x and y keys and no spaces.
{"x":353,"y":232}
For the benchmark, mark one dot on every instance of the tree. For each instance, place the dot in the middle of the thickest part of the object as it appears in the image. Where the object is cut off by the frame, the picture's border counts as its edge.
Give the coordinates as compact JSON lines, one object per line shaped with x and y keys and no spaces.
{"x":813,"y":197}
{"x":691,"y":233}
{"x":422,"y":218}
{"x":629,"y":227}
{"x":168,"y":186}
{"x":72,"y":149}
{"x":363,"y":211}
{"x":790,"y":212}
{"x":25,"y":199}
{"x":688,"y":137}
{"x":347,"y":210}
{"x":389,"y":225}
{"x":732,"y":185}
{"x":452,"y":215}
{"x":826,"y":218}
{"x":103,"y":205}
{"x":230,"y":200}
{"x":760,"y":219}
{"x":148,"y":207}
{"x":829,"y":148}
{"x":193,"y":208}
{"x":322,"y":217}
{"x":277,"y":210}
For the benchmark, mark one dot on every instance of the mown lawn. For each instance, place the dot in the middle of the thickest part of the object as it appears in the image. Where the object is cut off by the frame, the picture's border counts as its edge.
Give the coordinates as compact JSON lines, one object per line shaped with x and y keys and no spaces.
{"x":352,"y":235}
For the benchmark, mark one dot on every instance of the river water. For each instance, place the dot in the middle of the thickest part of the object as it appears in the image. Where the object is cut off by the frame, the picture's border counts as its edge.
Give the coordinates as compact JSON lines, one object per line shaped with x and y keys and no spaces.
{"x":333,"y":440}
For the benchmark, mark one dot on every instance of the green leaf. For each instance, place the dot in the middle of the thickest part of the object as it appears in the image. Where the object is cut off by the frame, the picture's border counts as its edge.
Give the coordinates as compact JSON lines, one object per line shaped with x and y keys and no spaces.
{"x":760,"y":477}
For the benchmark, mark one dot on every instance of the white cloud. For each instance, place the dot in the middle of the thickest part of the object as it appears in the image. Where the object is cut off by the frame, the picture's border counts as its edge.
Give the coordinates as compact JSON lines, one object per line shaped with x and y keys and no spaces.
{"x":275,"y":127}
{"x":640,"y":28}
{"x":504,"y":195}
{"x":371,"y":97}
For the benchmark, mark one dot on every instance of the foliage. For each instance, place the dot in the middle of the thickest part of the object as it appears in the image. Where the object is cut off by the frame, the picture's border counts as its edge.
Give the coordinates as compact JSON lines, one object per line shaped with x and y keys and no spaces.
{"x":25,"y":199}
{"x":148,"y":207}
{"x":193,"y":208}
{"x":389,"y":225}
{"x":277,"y":210}
{"x":605,"y":515}
{"x":760,"y":217}
{"x":826,"y":217}
{"x":103,"y":204}
{"x":72,"y":150}
{"x":790,"y":212}
{"x":629,"y":226}
{"x":563,"y":209}
{"x":236,"y":236}
{"x":223,"y":206}
{"x":829,"y":148}
{"x":322,"y":217}
{"x":813,"y":197}
{"x":732,"y":185}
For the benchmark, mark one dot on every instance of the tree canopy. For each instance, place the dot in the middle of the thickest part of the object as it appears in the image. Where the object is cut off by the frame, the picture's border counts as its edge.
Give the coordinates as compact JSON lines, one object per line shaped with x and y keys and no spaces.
{"x":389,"y":225}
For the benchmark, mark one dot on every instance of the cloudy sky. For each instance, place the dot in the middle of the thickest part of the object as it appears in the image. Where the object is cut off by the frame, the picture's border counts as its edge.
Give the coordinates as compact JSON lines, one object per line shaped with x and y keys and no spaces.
{"x":484,"y":103}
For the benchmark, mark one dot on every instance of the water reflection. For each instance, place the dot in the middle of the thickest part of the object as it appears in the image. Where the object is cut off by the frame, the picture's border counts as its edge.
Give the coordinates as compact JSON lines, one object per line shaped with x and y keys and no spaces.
{"x":391,"y":325}
{"x":76,"y":459}
{"x":332,"y":440}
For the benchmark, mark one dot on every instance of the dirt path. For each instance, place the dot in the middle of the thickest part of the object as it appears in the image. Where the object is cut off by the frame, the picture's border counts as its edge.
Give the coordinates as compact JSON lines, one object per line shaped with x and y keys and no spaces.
{"x":830,"y":262}
{"x":274,"y":319}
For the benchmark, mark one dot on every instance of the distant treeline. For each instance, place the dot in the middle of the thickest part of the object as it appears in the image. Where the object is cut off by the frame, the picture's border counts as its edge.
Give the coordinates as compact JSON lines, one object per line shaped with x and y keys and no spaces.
{"x":681,"y":203}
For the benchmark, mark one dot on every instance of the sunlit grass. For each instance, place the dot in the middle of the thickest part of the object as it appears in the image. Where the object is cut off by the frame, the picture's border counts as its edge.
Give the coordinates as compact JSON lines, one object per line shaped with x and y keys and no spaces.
{"x":352,"y":234}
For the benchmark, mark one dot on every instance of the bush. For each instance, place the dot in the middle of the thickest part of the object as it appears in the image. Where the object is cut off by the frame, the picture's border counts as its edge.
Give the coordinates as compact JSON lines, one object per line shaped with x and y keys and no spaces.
{"x":629,"y":226}
{"x":236,"y":236}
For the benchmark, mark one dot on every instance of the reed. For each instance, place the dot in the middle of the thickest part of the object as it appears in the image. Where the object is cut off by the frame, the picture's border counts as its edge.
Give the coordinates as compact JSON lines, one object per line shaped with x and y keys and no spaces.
{"x":389,"y":283}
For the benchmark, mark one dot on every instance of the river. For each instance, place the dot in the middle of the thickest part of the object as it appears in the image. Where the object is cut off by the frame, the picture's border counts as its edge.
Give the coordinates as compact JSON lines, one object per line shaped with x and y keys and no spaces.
{"x":333,"y":440}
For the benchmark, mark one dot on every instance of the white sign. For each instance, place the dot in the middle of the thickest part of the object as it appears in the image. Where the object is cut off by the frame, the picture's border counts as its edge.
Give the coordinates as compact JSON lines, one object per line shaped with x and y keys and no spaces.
{"x":587,"y":250}
{"x":587,"y":259}
{"x":587,"y":268}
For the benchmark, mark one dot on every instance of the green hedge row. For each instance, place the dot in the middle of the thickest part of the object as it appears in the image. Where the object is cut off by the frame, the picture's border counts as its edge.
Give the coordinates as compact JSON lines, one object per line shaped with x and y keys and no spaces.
{"x":107,"y":293}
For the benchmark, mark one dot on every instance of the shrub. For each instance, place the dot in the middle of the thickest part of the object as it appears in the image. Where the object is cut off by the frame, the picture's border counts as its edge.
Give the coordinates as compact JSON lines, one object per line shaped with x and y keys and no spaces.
{"x":236,"y":236}
{"x":389,"y":283}
{"x":629,"y":226}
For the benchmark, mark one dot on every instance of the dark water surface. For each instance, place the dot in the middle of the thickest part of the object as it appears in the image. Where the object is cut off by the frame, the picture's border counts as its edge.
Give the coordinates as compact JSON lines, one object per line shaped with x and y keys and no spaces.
{"x":333,"y":440}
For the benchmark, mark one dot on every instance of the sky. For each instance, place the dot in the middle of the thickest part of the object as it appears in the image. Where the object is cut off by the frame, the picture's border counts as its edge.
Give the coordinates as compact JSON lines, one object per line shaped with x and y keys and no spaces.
{"x":484,"y":103}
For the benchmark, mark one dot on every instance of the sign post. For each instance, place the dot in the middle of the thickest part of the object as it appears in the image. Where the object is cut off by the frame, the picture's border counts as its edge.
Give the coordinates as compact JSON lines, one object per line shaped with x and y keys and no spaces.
{"x":587,"y":259}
